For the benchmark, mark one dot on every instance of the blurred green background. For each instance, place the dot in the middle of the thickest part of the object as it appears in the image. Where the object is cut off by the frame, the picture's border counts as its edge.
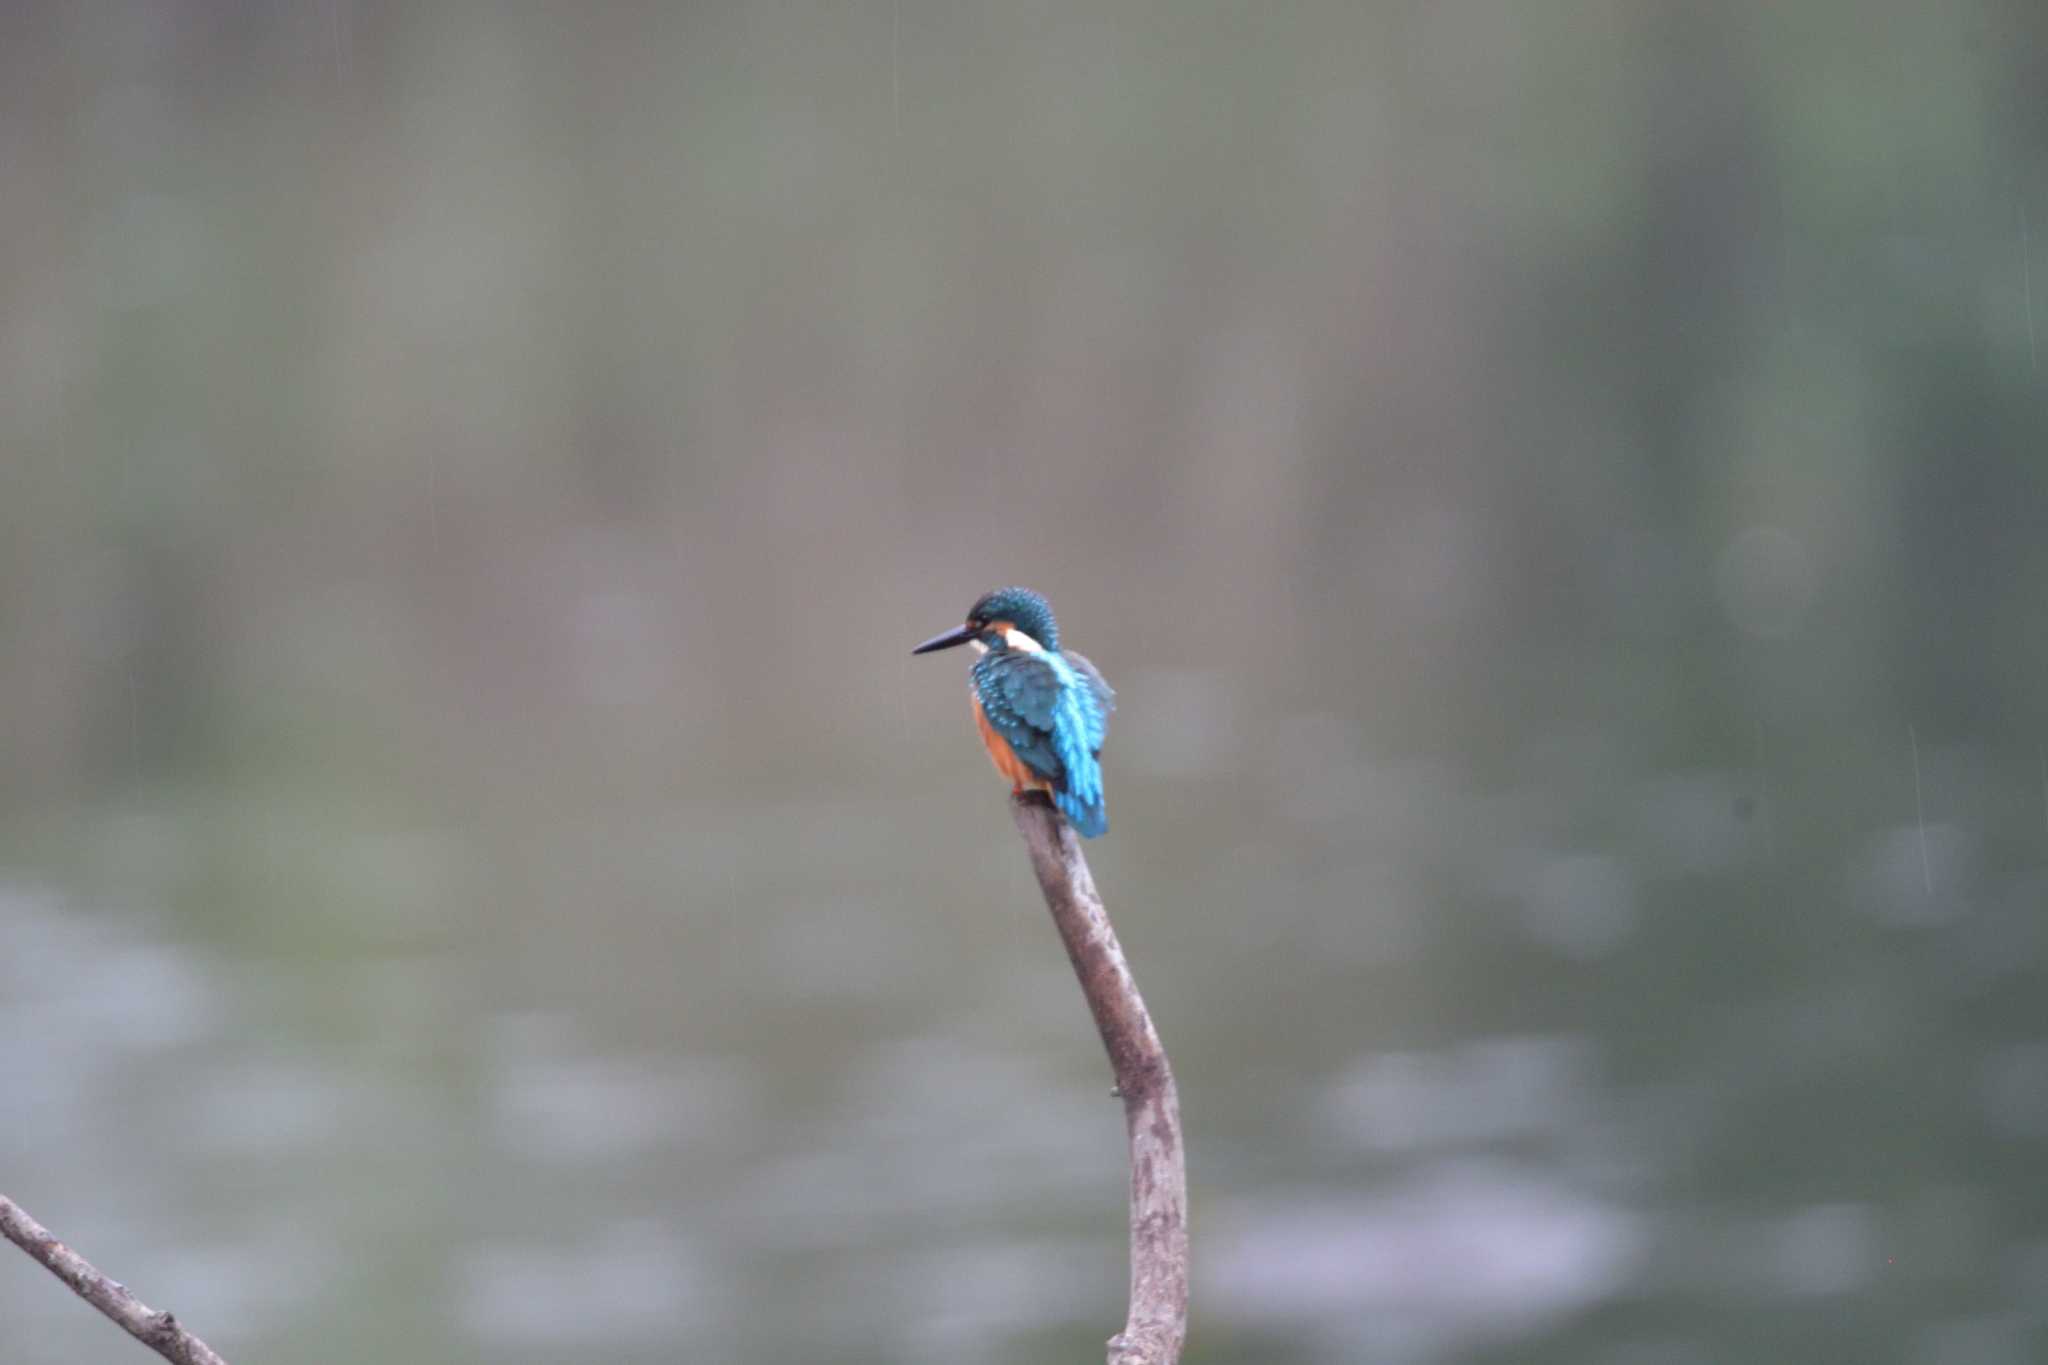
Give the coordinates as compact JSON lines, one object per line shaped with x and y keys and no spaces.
{"x":1560,"y":490}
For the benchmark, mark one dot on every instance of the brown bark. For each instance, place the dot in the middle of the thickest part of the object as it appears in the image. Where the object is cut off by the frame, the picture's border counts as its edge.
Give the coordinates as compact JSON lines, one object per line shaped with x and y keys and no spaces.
{"x":160,"y":1332}
{"x":1156,"y":1327}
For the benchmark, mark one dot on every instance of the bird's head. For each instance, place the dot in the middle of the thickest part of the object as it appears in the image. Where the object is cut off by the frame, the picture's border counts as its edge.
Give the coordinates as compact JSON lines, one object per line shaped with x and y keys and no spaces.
{"x":1016,"y":618}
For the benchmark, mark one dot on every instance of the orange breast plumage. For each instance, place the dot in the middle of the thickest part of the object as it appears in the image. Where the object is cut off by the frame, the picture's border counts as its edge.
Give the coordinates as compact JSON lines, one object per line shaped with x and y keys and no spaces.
{"x":1001,"y":754}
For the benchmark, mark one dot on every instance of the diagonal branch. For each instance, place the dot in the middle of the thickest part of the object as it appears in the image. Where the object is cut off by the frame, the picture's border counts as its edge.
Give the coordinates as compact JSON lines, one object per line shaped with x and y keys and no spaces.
{"x":1158,"y":1322}
{"x":160,"y":1332}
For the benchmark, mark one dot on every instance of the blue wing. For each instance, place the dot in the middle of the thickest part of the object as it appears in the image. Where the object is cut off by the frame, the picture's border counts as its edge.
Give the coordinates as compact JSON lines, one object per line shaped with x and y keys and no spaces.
{"x":1053,"y":709}
{"x":1100,"y":692}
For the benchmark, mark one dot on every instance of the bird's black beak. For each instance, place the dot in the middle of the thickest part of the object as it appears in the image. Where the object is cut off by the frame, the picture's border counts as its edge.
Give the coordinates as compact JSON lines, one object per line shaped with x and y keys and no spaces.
{"x":959,"y":636}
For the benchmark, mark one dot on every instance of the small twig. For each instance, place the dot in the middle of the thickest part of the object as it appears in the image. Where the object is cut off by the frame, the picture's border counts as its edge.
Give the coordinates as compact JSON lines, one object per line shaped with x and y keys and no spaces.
{"x":160,"y":1332}
{"x":1157,"y":1324}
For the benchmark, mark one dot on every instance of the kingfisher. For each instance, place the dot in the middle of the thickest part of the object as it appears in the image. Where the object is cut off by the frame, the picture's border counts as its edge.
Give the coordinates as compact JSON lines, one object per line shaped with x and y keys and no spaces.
{"x":1042,"y":711}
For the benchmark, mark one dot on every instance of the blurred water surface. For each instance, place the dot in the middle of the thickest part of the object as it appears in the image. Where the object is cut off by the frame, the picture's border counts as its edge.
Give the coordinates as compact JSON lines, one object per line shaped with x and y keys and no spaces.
{"x":1558,"y":490}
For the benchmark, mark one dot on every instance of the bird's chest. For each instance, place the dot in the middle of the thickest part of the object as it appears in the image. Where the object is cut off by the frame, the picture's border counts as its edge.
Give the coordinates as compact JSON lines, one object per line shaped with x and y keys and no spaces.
{"x":1000,"y":753}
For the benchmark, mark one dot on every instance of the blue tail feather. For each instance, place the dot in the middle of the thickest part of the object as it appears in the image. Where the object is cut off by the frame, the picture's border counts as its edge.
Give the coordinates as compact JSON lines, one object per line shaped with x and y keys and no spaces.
{"x":1077,"y":732}
{"x":1089,"y":821}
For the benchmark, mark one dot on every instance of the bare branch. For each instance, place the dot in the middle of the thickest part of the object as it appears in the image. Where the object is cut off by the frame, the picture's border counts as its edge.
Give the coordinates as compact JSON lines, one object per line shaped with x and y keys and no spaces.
{"x":160,"y":1332}
{"x":1157,"y":1325}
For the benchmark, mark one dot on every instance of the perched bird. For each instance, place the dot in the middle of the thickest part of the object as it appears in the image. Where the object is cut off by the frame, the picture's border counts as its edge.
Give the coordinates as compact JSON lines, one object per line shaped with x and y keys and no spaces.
{"x":1042,"y":711}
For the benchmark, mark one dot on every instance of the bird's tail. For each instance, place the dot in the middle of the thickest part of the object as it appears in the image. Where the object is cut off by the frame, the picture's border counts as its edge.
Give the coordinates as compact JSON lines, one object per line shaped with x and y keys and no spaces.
{"x":1076,"y":730}
{"x":1090,"y":820}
